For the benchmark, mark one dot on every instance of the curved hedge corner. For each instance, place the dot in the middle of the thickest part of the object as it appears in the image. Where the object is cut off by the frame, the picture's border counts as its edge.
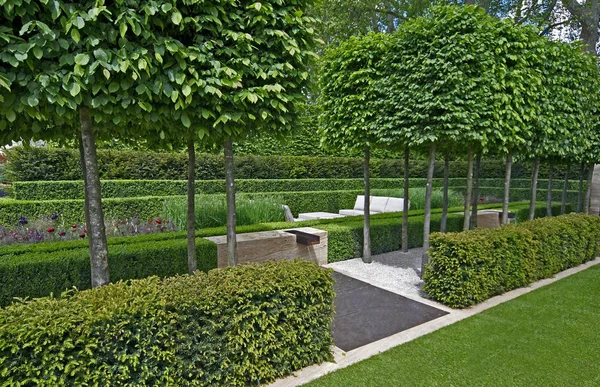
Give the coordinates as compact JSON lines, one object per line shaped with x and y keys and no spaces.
{"x":239,"y":326}
{"x":469,"y":267}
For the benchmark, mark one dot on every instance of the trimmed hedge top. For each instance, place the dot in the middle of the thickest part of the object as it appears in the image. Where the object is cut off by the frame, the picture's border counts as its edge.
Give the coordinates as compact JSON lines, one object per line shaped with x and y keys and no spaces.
{"x":239,"y":326}
{"x":39,"y":164}
{"x":469,"y":267}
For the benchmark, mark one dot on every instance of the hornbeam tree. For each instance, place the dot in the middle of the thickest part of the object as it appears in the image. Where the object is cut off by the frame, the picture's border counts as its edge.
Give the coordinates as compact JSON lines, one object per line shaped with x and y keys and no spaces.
{"x":86,"y":65}
{"x":349,"y":93}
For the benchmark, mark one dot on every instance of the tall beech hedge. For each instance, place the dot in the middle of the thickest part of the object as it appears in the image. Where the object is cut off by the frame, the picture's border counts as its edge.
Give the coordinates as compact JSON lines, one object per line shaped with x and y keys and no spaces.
{"x":63,"y":164}
{"x":241,"y":326}
{"x":63,"y":190}
{"x":469,"y":267}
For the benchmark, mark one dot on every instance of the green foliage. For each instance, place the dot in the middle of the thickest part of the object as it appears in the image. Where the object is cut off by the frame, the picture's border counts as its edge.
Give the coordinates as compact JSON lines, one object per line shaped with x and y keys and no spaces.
{"x":40,"y":271}
{"x":469,"y":267}
{"x":211,"y":211}
{"x":41,"y":164}
{"x":349,"y":93}
{"x":185,"y":330}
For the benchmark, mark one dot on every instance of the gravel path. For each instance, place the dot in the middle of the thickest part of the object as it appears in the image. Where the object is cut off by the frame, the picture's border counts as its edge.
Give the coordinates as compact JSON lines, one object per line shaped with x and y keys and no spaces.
{"x":395,"y":271}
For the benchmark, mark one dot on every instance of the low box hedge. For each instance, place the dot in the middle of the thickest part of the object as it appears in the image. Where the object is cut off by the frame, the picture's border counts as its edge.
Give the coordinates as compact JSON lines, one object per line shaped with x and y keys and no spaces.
{"x":246,"y":325}
{"x":469,"y":267}
{"x":64,"y":190}
{"x":37,"y":270}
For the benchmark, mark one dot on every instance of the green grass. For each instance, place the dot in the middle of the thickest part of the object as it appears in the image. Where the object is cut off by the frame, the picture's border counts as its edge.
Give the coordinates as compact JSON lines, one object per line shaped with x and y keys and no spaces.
{"x":548,"y":337}
{"x":211,"y":211}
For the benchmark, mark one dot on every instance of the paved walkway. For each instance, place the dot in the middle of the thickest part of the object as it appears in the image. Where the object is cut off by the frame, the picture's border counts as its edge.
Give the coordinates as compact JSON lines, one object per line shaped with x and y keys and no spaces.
{"x":367,"y":326}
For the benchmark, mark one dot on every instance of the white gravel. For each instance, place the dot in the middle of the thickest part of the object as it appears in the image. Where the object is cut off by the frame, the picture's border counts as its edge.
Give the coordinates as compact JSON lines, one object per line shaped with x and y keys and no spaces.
{"x":405,"y":282}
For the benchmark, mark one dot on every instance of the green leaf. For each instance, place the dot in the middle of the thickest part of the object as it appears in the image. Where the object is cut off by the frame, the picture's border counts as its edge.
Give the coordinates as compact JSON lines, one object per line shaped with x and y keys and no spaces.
{"x":74,"y":89}
{"x":11,"y":116}
{"x":123,"y":29}
{"x":75,"y":35}
{"x":176,"y":18}
{"x":82,"y":59}
{"x":38,"y":52}
{"x":186,"y":90}
{"x":185,"y":120}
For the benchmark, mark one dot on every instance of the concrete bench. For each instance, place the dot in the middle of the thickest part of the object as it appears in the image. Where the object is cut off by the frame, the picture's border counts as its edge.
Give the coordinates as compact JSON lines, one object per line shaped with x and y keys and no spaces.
{"x":379,"y":205}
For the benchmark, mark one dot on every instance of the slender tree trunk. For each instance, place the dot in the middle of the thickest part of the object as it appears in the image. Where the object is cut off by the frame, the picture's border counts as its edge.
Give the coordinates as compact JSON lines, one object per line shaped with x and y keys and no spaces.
{"x":367,"y":218}
{"x":95,"y":225}
{"x":469,"y":189}
{"x":533,"y":195}
{"x":444,"y":221}
{"x":475,"y":200}
{"x":427,"y":217}
{"x":406,"y":201}
{"x":580,"y":192}
{"x":588,"y":191}
{"x":86,"y":202}
{"x":563,"y":203}
{"x":191,"y":208}
{"x":230,"y":193}
{"x":549,"y":193}
{"x":390,"y":26}
{"x":506,"y":198}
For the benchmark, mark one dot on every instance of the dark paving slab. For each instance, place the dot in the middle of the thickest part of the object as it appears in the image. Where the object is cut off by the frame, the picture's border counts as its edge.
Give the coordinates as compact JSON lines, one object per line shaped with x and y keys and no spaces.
{"x":365,"y":313}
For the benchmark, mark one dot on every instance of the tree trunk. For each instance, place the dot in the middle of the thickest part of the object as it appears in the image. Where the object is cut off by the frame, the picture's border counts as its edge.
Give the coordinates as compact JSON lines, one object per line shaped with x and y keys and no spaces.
{"x":475,"y":195}
{"x":469,"y":189}
{"x":86,"y":202}
{"x":230,"y":193}
{"x":406,"y":201}
{"x":563,"y":203}
{"x":191,"y":208}
{"x":444,"y":220}
{"x":549,"y":193}
{"x":533,"y":195}
{"x":390,"y":26}
{"x":367,"y":210}
{"x":95,"y":225}
{"x":427,"y":217}
{"x":506,"y":198}
{"x":588,"y":191}
{"x":580,"y":192}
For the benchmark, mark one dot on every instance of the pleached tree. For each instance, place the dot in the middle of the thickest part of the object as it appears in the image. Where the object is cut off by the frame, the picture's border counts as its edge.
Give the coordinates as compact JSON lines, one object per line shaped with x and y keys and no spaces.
{"x":349,"y":81}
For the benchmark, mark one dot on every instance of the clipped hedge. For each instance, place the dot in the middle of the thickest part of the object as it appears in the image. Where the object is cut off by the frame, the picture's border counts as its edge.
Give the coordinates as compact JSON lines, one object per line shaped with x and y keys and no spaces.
{"x":37,"y":164}
{"x":241,"y":326}
{"x":36,"y":270}
{"x":469,"y":267}
{"x":63,"y":190}
{"x":42,"y":270}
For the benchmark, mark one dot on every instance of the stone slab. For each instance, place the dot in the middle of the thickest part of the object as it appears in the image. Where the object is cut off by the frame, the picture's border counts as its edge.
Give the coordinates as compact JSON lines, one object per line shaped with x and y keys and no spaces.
{"x":365,"y":313}
{"x":318,"y":215}
{"x":273,"y":245}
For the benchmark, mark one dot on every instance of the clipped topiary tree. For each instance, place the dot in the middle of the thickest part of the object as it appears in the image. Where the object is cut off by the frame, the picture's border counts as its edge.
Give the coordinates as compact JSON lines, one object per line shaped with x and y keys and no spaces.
{"x":349,"y":81}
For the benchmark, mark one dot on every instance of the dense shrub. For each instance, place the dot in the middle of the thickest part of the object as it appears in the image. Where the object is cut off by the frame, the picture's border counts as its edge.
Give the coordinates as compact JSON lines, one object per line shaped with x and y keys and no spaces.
{"x":469,"y":267}
{"x":239,"y":326}
{"x":36,"y":270}
{"x":54,"y":267}
{"x":63,"y":164}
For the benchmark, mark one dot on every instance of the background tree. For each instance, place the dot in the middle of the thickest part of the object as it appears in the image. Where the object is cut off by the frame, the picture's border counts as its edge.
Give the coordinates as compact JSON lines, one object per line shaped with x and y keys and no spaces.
{"x":349,"y":93}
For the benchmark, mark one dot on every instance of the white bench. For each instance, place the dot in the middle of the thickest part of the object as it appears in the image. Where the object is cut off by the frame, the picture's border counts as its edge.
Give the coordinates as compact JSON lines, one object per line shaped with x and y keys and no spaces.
{"x":379,"y":204}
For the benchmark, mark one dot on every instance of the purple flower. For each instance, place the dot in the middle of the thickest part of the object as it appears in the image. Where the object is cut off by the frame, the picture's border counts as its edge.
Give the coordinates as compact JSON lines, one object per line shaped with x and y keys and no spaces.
{"x":23,"y":220}
{"x":54,"y":216}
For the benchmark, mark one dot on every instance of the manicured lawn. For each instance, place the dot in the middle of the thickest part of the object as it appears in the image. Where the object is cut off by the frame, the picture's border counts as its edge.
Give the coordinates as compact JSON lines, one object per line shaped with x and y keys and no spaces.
{"x":549,"y":337}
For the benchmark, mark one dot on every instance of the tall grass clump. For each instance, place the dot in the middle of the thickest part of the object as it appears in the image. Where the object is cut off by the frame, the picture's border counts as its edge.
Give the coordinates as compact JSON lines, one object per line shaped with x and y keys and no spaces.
{"x":211,"y":211}
{"x":417,"y":197}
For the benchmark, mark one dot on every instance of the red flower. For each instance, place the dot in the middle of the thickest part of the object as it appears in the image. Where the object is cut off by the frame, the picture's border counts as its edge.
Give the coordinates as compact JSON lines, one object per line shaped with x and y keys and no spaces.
{"x":74,"y":230}
{"x":481,"y":199}
{"x":50,"y":230}
{"x":82,"y":235}
{"x":158,"y":221}
{"x":62,"y":233}
{"x":74,"y":225}
{"x":85,"y":230}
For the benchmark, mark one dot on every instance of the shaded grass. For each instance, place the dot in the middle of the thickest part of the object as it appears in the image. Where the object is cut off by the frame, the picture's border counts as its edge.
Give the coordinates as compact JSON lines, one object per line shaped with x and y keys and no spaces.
{"x":548,"y":337}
